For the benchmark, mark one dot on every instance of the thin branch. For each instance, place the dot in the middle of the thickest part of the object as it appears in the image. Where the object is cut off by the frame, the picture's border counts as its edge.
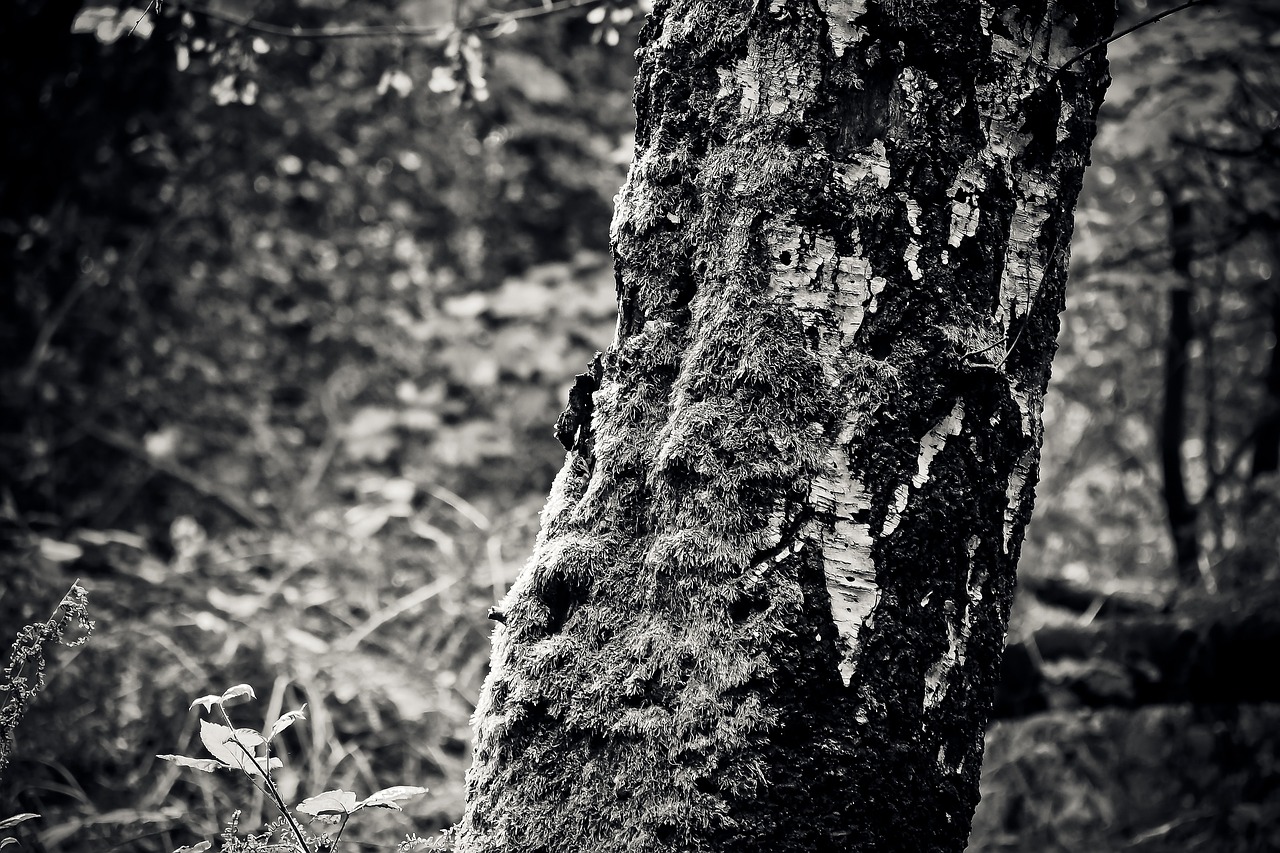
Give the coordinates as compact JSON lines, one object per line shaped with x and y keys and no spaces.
{"x":157,"y":3}
{"x":392,"y":31}
{"x":1101,"y":44}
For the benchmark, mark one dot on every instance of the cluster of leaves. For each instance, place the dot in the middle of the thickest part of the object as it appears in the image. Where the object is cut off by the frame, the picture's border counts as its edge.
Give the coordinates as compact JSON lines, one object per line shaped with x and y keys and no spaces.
{"x":249,"y":752}
{"x":296,"y":275}
{"x":384,"y":638}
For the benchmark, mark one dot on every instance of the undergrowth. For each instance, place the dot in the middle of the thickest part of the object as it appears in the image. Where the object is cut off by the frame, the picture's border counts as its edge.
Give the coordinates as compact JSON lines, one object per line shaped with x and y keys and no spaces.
{"x":250,"y":753}
{"x":24,"y":674}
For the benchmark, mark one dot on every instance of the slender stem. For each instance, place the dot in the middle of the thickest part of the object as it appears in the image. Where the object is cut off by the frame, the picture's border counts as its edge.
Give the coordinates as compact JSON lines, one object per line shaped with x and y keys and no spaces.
{"x":270,"y":788}
{"x":156,"y":3}
{"x":337,"y":836}
{"x":1101,"y":44}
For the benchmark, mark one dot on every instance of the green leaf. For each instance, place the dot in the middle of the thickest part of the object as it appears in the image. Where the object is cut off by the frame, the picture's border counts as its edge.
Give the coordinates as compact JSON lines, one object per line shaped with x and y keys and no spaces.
{"x":287,"y":720}
{"x":388,"y":797}
{"x":225,"y":745}
{"x":194,"y":848}
{"x":238,"y":691}
{"x":207,"y":701}
{"x":17,"y":819}
{"x":207,"y":765}
{"x":337,"y":802}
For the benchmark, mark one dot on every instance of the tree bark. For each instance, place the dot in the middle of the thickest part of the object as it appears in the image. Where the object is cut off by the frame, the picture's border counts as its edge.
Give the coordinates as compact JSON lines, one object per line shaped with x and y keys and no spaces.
{"x":767,"y":604}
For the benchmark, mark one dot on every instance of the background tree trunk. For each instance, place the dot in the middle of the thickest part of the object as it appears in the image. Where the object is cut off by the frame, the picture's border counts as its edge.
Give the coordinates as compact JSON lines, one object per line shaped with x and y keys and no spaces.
{"x":1173,"y":421}
{"x":766,"y":608}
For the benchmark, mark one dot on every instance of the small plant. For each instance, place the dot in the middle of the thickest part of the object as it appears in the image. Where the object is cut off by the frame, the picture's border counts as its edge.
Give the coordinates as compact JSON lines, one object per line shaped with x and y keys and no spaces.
{"x":249,"y":752}
{"x":23,"y":676}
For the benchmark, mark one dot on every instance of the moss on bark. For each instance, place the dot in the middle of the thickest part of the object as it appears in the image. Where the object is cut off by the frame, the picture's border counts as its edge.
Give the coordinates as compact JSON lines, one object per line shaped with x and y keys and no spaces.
{"x":766,"y":607}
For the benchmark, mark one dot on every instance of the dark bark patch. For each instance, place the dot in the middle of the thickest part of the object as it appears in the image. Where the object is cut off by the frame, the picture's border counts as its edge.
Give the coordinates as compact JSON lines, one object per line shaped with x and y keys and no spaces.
{"x":1040,"y":112}
{"x":861,"y":112}
{"x":573,"y":427}
{"x":745,"y":605}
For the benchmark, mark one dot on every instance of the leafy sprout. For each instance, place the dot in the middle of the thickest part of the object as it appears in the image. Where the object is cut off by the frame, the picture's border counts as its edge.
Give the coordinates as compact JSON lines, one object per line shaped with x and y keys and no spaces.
{"x":249,"y":752}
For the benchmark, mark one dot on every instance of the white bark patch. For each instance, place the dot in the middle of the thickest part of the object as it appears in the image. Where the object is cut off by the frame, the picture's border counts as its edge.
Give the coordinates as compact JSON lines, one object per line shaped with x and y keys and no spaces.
{"x":873,"y":161}
{"x":959,"y":630}
{"x":856,"y":290}
{"x":841,"y":15}
{"x":847,"y":559}
{"x":985,"y":11}
{"x":913,"y":212}
{"x":822,"y":285}
{"x":750,"y":86}
{"x":911,"y":256}
{"x":913,"y":248}
{"x":965,"y":190}
{"x":930,"y":446}
{"x":1030,"y":406}
{"x":1026,"y":255}
{"x":772,"y":79}
{"x":834,"y":293}
{"x":1067,"y":112}
{"x":1028,"y":252}
{"x":1013,"y":495}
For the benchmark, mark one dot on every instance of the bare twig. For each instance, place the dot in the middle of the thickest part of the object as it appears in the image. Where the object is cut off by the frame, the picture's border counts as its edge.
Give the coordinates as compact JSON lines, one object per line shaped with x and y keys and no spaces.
{"x":464,"y":507}
{"x":157,"y":3}
{"x":1101,"y":44}
{"x":393,"y":31}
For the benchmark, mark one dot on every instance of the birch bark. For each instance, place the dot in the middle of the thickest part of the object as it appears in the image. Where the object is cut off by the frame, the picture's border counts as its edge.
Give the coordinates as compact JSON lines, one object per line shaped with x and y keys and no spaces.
{"x":767,"y":604}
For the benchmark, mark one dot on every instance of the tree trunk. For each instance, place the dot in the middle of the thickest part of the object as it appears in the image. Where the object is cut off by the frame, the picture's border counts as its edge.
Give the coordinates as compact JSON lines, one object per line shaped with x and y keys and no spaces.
{"x":767,"y":605}
{"x":1173,"y":419}
{"x":1266,"y":441}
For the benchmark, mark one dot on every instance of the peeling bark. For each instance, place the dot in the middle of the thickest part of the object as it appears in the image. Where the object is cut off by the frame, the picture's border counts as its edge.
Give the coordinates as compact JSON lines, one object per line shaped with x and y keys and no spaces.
{"x":767,"y":605}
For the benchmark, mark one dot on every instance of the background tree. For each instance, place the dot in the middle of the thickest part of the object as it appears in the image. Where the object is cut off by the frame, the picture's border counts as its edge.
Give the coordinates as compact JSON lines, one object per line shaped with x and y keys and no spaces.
{"x":1175,"y":223}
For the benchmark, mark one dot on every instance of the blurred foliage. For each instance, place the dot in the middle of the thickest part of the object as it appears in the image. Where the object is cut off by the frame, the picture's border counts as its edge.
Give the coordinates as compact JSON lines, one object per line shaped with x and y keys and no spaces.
{"x":256,"y":350}
{"x":287,"y":323}
{"x":1192,"y":109}
{"x":1164,"y":778}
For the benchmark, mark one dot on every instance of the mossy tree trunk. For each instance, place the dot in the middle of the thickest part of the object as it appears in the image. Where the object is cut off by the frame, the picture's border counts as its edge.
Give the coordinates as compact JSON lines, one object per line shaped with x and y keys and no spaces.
{"x":766,"y":608}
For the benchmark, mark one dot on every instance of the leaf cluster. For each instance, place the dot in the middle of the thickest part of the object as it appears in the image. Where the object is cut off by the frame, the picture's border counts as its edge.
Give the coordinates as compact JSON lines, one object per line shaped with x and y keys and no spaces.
{"x":249,"y":752}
